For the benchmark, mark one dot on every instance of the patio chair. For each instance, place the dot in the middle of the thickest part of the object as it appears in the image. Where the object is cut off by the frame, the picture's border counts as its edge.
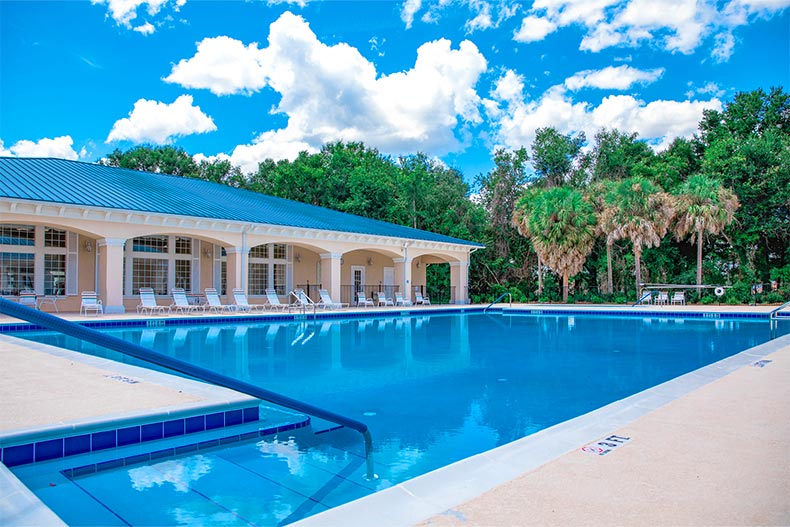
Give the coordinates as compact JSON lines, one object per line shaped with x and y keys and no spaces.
{"x":419,"y":299}
{"x":274,"y":300}
{"x":148,"y":303}
{"x":90,"y":302}
{"x":362,"y":300}
{"x":214,"y":304}
{"x":646,"y":298}
{"x":383,"y":300}
{"x":326,"y":301}
{"x":662,"y":299}
{"x":679,"y":298}
{"x":400,"y":301}
{"x":28,"y":299}
{"x":181,"y":302}
{"x":301,"y":299}
{"x":242,"y":304}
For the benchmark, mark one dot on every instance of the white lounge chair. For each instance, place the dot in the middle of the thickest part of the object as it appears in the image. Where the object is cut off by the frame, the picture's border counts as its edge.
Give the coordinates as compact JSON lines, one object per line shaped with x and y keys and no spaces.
{"x":90,"y":302}
{"x":662,"y":299}
{"x":364,"y":301}
{"x":301,"y":299}
{"x":326,"y":301}
{"x":274,"y":300}
{"x":181,"y":302}
{"x":28,"y":299}
{"x":383,"y":300}
{"x":148,"y":303}
{"x":679,"y":298}
{"x":242,"y":304}
{"x":419,"y":299}
{"x":214,"y":304}
{"x":646,"y":298}
{"x":400,"y":301}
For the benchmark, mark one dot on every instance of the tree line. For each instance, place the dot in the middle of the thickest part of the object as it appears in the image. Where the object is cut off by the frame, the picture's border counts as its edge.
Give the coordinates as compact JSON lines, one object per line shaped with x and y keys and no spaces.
{"x":567,"y":219}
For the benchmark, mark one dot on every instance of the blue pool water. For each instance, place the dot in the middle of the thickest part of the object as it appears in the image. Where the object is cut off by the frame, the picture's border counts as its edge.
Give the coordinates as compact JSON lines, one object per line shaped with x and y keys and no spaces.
{"x":433,"y":390}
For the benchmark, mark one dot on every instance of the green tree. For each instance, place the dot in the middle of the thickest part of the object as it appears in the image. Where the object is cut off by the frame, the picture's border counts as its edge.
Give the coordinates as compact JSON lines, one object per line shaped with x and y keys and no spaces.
{"x":703,"y":206}
{"x":639,"y":211}
{"x":555,"y":156}
{"x":560,"y":222}
{"x":615,"y":154}
{"x":158,"y":159}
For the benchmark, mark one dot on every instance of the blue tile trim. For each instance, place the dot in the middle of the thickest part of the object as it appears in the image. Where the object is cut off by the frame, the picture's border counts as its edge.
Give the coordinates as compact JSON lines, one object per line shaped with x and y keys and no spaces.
{"x":27,"y":453}
{"x":185,"y":449}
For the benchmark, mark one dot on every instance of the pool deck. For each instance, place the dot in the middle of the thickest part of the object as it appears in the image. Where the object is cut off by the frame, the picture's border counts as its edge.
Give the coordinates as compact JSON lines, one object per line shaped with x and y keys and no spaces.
{"x":707,"y":448}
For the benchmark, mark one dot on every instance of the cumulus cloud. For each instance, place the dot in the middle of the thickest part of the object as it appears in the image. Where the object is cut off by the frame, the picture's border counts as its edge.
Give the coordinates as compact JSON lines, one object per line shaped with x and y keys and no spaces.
{"x":160,"y":123}
{"x":332,"y":93}
{"x":410,"y":8}
{"x":124,"y":12}
{"x":658,"y":122}
{"x":222,"y":65}
{"x":534,"y":28}
{"x":674,"y":25}
{"x":56,"y":147}
{"x":612,"y":78}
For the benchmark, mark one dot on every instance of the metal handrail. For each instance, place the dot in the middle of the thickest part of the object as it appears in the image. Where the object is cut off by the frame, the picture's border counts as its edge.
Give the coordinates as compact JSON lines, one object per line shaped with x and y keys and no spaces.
{"x":66,"y":327}
{"x":503,"y":295}
{"x":774,"y":312}
{"x":302,"y":304}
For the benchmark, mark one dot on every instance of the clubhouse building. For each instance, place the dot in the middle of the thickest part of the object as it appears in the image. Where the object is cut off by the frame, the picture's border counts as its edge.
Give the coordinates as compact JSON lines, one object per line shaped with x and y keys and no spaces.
{"x":69,"y":226}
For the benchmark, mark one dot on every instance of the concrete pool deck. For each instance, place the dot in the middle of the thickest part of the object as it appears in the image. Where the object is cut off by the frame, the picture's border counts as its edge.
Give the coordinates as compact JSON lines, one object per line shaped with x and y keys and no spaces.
{"x":707,"y":448}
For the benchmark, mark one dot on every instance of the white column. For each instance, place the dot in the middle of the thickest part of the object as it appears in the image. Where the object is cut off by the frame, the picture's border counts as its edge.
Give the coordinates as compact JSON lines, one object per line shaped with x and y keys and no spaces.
{"x":111,"y":273}
{"x":459,"y":279}
{"x":330,"y":274}
{"x":403,"y":275}
{"x":236,"y":269}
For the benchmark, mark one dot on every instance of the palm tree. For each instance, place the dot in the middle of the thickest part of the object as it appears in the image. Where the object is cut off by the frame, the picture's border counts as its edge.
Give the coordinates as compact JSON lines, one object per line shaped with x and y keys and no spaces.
{"x":606,"y":226}
{"x":704,"y":205}
{"x":560,"y":222}
{"x":639,"y":211}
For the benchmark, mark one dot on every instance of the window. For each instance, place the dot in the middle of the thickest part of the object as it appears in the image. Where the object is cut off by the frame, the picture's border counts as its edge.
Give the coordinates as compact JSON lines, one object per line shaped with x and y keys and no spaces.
{"x":267,"y":269}
{"x":36,"y":258}
{"x":183,"y":245}
{"x":161,"y":262}
{"x":18,"y":235}
{"x":54,"y":238}
{"x":149,"y":272}
{"x":258,"y":278}
{"x":150,"y":244}
{"x":279,"y":278}
{"x":55,"y":274}
{"x":183,"y":274}
{"x":18,"y":271}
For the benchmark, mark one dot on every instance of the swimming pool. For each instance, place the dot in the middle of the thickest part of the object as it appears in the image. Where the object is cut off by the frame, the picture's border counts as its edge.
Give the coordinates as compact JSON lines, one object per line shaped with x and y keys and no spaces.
{"x":433,"y":389}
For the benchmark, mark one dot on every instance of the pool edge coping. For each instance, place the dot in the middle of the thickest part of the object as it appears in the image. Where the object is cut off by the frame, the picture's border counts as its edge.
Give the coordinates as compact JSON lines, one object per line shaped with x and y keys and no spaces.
{"x":438,"y":491}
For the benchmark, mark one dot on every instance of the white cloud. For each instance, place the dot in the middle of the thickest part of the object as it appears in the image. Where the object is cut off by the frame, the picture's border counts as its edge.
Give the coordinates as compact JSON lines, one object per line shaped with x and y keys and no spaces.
{"x":674,"y":25}
{"x":612,"y":78}
{"x":410,"y":8}
{"x":534,"y":28}
{"x":124,"y":11}
{"x":658,"y":122}
{"x":56,"y":147}
{"x":145,"y":29}
{"x":723,"y":46}
{"x":222,"y":65}
{"x":332,"y":93}
{"x":160,"y":123}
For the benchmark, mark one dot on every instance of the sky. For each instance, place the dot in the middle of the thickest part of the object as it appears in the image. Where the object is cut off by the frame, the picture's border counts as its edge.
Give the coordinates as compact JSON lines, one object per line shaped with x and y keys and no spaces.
{"x":454,"y":79}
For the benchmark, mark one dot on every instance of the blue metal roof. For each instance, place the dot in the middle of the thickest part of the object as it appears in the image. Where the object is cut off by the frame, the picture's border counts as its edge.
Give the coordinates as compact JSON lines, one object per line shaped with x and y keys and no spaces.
{"x":78,"y":183}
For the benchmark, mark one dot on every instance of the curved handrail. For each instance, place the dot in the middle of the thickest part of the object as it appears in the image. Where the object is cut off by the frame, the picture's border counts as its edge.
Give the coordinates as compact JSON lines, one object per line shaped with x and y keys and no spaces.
{"x":133,"y":350}
{"x":503,"y":295}
{"x":774,"y":313}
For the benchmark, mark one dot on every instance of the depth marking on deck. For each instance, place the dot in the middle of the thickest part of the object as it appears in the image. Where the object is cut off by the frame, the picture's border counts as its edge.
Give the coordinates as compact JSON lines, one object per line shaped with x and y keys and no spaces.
{"x":605,"y":445}
{"x":761,"y":363}
{"x":121,"y":378}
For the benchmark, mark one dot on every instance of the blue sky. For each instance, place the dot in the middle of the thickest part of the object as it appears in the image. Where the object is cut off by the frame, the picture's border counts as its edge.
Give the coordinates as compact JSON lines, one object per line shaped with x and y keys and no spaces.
{"x":250,"y":80}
